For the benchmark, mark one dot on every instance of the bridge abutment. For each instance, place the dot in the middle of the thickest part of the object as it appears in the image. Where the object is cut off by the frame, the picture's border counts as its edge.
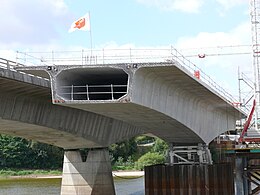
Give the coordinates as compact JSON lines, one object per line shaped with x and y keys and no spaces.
{"x":94,"y":176}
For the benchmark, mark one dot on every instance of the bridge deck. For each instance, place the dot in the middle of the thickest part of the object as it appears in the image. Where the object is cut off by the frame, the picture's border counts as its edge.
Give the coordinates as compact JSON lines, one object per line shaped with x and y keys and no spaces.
{"x":162,"y":98}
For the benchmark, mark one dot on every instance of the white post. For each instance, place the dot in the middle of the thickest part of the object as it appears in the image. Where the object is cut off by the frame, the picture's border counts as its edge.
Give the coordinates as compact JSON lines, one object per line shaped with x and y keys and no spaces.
{"x":82,"y":56}
{"x":103,"y":56}
{"x":52,"y":56}
{"x":90,"y":34}
{"x":112,"y":92}
{"x":87,"y":92}
{"x":71,"y":92}
{"x":130,"y":55}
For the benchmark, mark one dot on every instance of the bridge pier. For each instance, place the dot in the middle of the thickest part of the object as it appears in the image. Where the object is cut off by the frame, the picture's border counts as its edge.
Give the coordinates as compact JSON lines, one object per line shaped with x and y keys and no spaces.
{"x":94,"y":176}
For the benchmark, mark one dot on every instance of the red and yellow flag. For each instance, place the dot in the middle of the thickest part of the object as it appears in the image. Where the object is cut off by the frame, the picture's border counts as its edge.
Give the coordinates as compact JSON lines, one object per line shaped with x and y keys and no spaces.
{"x":83,"y":23}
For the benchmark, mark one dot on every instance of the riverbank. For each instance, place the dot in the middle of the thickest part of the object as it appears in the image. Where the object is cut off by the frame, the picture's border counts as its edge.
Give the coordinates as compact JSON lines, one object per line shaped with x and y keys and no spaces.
{"x":40,"y":174}
{"x":28,"y":173}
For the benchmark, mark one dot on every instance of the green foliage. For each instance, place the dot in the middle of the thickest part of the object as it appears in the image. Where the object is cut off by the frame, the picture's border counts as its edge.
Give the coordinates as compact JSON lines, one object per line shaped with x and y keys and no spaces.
{"x":120,"y":164}
{"x":160,"y":146}
{"x":14,"y":151}
{"x":128,"y":156}
{"x":144,"y":139}
{"x":123,"y":150}
{"x":21,"y":153}
{"x":15,"y":172}
{"x":46,"y":156}
{"x":148,"y":159}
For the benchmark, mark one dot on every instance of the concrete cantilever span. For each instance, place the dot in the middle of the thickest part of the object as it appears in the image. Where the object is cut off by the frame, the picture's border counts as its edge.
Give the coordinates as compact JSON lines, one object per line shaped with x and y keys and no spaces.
{"x":26,"y":111}
{"x":102,"y":104}
{"x":163,"y":99}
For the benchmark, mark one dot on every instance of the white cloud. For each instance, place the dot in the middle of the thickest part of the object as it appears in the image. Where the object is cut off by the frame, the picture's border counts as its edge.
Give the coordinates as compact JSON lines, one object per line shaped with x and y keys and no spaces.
{"x":189,"y":6}
{"x":206,"y":42}
{"x":227,"y":4}
{"x":30,"y":22}
{"x":36,"y":29}
{"x":218,"y":63}
{"x":8,"y":54}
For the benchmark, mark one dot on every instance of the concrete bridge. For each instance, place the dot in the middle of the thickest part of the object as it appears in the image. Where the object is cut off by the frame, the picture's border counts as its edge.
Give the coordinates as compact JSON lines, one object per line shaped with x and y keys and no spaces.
{"x":93,"y":105}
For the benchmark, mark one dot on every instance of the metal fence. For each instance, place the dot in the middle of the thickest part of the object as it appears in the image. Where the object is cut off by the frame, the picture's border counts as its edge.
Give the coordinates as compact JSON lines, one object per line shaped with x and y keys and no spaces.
{"x":90,"y":57}
{"x":9,"y":64}
{"x":93,"y":92}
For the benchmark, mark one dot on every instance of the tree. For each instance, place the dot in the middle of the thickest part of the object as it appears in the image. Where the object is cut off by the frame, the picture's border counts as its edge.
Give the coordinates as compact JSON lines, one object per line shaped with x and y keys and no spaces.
{"x":21,"y":153}
{"x":123,"y":150}
{"x":160,"y":146}
{"x":46,"y":156}
{"x":142,"y":139}
{"x":148,"y":159}
{"x":14,"y":151}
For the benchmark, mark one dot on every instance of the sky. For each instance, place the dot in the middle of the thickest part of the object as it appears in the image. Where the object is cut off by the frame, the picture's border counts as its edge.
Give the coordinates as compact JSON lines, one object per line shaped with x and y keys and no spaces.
{"x":210,"y":27}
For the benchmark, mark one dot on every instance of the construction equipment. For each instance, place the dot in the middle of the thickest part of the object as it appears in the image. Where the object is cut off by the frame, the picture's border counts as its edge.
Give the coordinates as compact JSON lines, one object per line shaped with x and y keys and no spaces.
{"x":252,"y":134}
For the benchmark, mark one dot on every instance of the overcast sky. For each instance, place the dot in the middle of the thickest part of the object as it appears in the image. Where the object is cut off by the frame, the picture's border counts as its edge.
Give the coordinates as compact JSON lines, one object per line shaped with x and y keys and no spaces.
{"x":203,"y":25}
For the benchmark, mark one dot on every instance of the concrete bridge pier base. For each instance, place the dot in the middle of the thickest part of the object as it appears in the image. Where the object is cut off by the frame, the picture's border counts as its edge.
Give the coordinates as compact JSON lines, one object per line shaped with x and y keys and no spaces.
{"x":94,"y":176}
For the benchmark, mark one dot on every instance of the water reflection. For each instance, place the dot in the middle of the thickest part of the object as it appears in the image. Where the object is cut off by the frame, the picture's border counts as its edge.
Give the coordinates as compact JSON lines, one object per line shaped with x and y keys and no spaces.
{"x":129,"y":186}
{"x":52,"y":186}
{"x":30,"y":186}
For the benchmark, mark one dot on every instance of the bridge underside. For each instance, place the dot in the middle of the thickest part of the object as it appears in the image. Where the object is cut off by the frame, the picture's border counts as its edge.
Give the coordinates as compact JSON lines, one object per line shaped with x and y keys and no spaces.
{"x":163,"y":99}
{"x":45,"y":135}
{"x":150,"y":121}
{"x":26,"y":110}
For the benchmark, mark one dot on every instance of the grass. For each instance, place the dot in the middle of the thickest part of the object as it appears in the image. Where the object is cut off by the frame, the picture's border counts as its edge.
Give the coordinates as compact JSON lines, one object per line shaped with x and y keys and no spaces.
{"x":17,"y":172}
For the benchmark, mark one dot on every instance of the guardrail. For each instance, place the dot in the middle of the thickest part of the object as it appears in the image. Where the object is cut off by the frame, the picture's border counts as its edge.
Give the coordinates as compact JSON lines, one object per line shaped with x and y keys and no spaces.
{"x":112,"y":56}
{"x":9,"y":64}
{"x":191,"y":67}
{"x":90,"y":57}
{"x":91,"y":92}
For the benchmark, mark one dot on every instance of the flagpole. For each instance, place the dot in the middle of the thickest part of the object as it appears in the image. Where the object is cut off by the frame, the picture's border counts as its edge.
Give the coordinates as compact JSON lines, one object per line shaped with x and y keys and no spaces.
{"x":83,"y":23}
{"x":90,"y":34}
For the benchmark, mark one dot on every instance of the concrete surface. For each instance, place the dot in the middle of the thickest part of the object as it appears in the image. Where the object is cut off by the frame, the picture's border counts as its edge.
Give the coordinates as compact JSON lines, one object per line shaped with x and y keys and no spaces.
{"x":26,"y":110}
{"x":163,"y":99}
{"x":91,"y":177}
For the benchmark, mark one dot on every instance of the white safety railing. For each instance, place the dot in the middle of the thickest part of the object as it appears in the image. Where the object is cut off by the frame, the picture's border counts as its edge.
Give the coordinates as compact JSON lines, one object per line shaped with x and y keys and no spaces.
{"x":8,"y":64}
{"x":11,"y":65}
{"x":117,"y":56}
{"x":91,"y":92}
{"x":192,"y":68}
{"x":90,"y":57}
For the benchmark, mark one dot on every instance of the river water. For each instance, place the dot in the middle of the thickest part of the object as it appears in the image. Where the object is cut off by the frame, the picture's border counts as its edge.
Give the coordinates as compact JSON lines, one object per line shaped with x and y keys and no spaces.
{"x":38,"y":186}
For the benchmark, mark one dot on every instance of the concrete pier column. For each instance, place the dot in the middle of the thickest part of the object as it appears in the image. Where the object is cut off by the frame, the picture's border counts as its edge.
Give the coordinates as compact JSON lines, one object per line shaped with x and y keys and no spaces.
{"x":91,"y":177}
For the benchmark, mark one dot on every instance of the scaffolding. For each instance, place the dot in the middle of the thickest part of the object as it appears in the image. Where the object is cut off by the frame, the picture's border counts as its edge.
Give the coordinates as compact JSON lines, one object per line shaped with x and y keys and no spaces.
{"x":252,"y":131}
{"x":255,"y":19}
